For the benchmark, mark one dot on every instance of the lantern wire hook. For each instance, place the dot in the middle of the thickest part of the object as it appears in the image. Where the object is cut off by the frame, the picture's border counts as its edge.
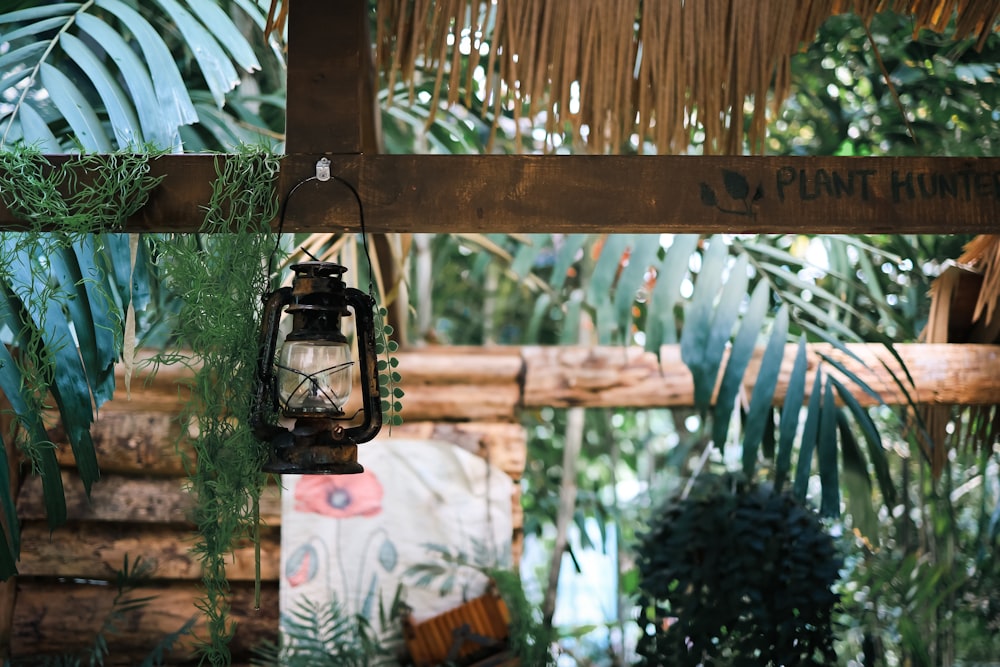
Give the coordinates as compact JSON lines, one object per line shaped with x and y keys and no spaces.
{"x":323,"y":174}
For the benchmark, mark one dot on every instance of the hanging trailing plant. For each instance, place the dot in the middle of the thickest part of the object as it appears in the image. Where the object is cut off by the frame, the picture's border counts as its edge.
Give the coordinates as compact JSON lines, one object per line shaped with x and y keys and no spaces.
{"x":220,"y":276}
{"x":65,"y":285}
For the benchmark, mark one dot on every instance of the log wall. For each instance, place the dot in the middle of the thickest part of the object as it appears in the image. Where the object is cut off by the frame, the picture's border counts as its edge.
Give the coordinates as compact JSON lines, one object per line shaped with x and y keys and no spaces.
{"x":469,"y":396}
{"x":141,"y":508}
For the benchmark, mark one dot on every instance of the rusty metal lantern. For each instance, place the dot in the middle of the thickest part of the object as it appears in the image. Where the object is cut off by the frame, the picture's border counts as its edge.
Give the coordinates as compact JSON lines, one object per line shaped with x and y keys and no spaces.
{"x":310,"y":378}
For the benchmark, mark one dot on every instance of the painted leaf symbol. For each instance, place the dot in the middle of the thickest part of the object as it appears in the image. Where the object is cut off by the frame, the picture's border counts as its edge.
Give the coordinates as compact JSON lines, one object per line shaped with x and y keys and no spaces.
{"x":736,"y":184}
{"x":708,"y":195}
{"x":388,"y":556}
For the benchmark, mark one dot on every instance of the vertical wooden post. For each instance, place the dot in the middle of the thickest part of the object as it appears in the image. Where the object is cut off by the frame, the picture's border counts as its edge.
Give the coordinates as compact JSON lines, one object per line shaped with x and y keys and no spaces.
{"x":327,"y":58}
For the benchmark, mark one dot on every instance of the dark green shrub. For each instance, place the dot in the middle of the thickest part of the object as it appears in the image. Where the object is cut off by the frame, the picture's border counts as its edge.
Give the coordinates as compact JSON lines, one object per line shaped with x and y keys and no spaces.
{"x":735,"y":574}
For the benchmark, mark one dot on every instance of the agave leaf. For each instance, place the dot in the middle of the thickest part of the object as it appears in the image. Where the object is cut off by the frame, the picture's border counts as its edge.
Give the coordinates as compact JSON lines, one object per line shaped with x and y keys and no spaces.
{"x":876,"y":452}
{"x":698,"y":319}
{"x":219,"y":73}
{"x":794,"y":397}
{"x":128,"y":134}
{"x":155,"y":128}
{"x":763,"y":391}
{"x":739,"y":358}
{"x":171,"y":91}
{"x":809,"y":432}
{"x":75,"y":108}
{"x":826,"y":454}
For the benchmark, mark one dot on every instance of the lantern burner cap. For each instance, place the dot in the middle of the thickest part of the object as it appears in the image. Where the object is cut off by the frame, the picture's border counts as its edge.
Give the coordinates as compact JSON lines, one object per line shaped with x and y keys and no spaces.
{"x":319,"y":269}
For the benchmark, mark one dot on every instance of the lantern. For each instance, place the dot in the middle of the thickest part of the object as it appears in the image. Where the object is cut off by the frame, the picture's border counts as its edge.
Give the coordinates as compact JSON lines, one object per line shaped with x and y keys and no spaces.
{"x":310,"y":378}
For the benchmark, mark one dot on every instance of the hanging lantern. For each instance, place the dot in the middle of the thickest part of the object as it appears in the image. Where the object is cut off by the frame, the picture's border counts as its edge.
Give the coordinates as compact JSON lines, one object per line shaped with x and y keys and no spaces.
{"x":310,"y":378}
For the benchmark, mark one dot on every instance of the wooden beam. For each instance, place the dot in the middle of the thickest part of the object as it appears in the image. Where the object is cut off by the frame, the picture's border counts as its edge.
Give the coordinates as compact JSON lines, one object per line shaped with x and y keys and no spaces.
{"x":600,"y":194}
{"x":630,"y":377}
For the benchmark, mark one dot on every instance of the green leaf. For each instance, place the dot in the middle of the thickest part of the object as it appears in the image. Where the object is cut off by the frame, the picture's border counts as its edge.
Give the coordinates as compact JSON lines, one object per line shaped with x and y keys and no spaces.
{"x":44,"y":11}
{"x":826,"y":451}
{"x":642,"y":255}
{"x":19,"y":56}
{"x":524,"y":258}
{"x":35,"y":131}
{"x":698,"y":319}
{"x":857,"y":483}
{"x":876,"y":452}
{"x":128,"y":134}
{"x":606,"y":269}
{"x":153,"y":122}
{"x":227,"y":33}
{"x":75,"y":109}
{"x":31,"y":29}
{"x":739,"y":358}
{"x":763,"y":391}
{"x":794,"y":397}
{"x":219,"y":73}
{"x":660,"y":321}
{"x":171,"y":90}
{"x":721,"y":328}
{"x":566,"y":252}
{"x":810,"y":431}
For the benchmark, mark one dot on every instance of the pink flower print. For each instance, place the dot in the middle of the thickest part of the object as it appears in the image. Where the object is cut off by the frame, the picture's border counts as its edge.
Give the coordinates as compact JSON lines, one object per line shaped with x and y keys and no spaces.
{"x":340,"y":496}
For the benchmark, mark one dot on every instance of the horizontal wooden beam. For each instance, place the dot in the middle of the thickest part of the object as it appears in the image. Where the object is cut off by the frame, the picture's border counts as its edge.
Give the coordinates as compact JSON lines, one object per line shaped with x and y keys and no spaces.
{"x":598,"y":194}
{"x":630,"y":377}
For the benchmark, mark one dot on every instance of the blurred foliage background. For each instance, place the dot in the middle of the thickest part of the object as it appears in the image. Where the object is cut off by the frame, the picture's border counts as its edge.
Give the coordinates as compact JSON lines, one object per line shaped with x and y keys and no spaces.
{"x":921,"y":579}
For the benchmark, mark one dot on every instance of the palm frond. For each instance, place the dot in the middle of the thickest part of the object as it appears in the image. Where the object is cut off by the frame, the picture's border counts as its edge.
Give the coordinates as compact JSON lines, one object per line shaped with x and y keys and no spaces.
{"x":99,"y":76}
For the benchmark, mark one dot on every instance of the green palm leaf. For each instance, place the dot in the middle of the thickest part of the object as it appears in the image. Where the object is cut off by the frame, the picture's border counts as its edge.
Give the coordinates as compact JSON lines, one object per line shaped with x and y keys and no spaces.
{"x":759,"y":412}
{"x":103,"y":69}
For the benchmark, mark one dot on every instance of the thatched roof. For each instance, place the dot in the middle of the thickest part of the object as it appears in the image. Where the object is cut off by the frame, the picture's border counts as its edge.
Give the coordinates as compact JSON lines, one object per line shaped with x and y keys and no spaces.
{"x":614,"y":68}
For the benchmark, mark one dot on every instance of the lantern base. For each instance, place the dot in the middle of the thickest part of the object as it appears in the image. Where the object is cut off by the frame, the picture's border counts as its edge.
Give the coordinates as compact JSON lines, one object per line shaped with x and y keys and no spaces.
{"x":311,"y":449}
{"x":333,"y":460}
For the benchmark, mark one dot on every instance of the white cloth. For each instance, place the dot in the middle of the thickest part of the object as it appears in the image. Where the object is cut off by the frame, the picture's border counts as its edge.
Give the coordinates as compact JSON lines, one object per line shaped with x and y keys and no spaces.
{"x":419,"y":505}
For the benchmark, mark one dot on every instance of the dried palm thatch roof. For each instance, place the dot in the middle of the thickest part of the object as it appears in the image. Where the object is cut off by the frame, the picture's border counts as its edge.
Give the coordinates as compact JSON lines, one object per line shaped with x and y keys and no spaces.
{"x":613,"y":68}
{"x":964,"y":301}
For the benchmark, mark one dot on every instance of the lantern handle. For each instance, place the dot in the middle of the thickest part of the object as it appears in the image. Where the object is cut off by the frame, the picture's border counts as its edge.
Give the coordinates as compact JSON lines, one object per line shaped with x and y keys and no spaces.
{"x":364,"y":307}
{"x":265,"y":396}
